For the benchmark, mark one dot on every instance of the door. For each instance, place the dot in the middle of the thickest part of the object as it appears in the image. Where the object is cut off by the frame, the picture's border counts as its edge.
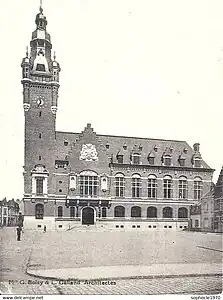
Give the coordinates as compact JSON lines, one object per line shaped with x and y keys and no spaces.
{"x":88,"y":216}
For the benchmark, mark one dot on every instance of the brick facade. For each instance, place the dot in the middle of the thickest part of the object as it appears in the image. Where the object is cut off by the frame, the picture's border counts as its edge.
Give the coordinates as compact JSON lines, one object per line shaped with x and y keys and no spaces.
{"x":70,"y":178}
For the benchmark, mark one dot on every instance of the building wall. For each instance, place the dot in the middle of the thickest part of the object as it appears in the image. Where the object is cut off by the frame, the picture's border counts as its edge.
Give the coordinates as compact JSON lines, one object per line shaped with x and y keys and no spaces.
{"x":55,"y":160}
{"x":218,"y":214}
{"x":207,"y":212}
{"x":195,"y":221}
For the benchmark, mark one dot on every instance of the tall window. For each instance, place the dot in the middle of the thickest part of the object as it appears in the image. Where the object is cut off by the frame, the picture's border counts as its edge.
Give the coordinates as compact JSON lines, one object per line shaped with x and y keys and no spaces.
{"x":196,"y":223}
{"x":60,"y":212}
{"x":136,"y":212}
{"x":167,"y":187}
{"x":119,"y":185}
{"x":89,"y":186}
{"x":152,"y":186}
{"x":167,"y":212}
{"x":39,"y":185}
{"x":103,"y":212}
{"x":39,"y":211}
{"x":151,"y":212}
{"x":119,"y":211}
{"x":183,"y":188}
{"x":182,"y":212}
{"x":72,"y":212}
{"x":198,"y":186}
{"x":136,"y":186}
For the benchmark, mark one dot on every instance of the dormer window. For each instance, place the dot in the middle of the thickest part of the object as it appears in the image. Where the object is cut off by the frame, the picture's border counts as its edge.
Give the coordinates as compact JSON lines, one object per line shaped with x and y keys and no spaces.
{"x":120,"y":159}
{"x":197,"y":162}
{"x":65,"y":143}
{"x":167,"y":160}
{"x":136,"y":159}
{"x":124,"y":146}
{"x":182,"y":162}
{"x":151,"y":160}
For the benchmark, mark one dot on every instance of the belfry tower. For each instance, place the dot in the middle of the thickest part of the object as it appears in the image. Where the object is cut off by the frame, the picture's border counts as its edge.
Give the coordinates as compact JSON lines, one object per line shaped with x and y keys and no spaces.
{"x":40,"y":80}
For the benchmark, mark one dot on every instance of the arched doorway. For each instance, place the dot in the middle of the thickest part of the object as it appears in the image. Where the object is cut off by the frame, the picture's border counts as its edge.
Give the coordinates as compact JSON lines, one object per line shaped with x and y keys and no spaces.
{"x":88,"y":216}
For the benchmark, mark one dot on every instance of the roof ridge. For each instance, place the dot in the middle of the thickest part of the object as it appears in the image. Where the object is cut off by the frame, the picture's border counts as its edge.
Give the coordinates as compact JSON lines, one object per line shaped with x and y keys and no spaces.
{"x":127,"y":137}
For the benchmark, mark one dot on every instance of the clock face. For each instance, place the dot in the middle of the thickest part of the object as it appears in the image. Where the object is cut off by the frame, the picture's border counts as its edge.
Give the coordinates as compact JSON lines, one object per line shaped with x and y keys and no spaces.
{"x":40,"y":100}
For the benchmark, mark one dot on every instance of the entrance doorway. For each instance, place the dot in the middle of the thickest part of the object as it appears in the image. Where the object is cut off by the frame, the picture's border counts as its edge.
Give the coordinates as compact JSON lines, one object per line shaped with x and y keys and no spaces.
{"x":88,"y":216}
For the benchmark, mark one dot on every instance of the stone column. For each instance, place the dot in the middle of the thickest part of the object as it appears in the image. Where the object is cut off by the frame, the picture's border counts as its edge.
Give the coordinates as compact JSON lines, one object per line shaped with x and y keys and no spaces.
{"x":160,"y":188}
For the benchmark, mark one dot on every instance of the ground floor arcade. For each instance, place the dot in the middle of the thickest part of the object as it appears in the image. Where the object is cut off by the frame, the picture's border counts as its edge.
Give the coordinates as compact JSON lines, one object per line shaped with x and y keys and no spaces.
{"x":66,"y":215}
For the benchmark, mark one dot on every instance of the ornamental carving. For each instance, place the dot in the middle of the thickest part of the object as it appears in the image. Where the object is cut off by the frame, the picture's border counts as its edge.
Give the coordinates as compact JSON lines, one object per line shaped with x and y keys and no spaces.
{"x":89,"y":153}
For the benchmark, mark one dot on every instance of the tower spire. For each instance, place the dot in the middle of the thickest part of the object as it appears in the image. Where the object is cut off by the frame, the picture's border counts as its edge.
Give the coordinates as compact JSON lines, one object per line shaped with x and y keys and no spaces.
{"x":27,"y":52}
{"x":40,"y":7}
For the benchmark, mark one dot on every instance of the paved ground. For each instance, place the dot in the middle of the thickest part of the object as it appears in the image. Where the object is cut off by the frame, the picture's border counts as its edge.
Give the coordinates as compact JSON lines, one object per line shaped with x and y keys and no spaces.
{"x":71,"y":249}
{"x":81,"y":249}
{"x":189,"y":285}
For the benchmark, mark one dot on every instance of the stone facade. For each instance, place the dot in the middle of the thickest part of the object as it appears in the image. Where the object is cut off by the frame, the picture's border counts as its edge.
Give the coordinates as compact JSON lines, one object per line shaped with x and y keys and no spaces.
{"x":77,"y":179}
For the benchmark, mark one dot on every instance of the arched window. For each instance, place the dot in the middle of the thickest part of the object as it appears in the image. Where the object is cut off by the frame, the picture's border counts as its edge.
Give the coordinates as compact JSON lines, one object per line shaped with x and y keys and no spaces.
{"x":167,"y":212}
{"x":183,"y":187}
{"x":60,"y":211}
{"x":103,"y":212}
{"x":152,"y":186}
{"x":136,"y":212}
{"x":198,"y":187}
{"x":72,"y":212}
{"x":39,"y":211}
{"x":119,"y":211}
{"x":151,"y":212}
{"x":167,"y":187}
{"x":182,"y":212}
{"x":119,"y":185}
{"x":136,"y":186}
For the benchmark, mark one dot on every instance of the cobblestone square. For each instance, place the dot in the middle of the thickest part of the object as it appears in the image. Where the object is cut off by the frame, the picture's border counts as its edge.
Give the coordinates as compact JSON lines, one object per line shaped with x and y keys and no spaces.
{"x":93,"y":248}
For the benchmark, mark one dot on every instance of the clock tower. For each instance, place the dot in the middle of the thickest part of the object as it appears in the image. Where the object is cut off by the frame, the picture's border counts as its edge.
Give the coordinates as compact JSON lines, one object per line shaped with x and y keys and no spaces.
{"x":40,"y":80}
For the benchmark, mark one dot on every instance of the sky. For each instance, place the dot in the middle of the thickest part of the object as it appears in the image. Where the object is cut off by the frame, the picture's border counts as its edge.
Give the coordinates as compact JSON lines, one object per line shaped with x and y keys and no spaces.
{"x":129,"y":67}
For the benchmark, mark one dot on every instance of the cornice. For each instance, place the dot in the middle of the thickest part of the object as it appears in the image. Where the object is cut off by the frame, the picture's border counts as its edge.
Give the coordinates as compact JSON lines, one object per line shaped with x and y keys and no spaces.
{"x":157,"y":167}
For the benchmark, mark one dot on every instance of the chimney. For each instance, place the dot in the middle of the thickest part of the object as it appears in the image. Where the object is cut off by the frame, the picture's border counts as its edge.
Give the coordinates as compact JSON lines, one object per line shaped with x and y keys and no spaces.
{"x":196,"y":147}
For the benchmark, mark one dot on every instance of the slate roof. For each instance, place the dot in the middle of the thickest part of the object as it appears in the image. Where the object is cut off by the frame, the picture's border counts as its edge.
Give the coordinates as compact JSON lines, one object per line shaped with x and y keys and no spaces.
{"x":125,"y":146}
{"x":219,"y":186}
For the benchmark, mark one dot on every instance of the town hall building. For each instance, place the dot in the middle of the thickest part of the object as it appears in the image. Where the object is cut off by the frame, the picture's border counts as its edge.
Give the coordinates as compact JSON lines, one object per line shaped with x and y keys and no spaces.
{"x":72,"y":180}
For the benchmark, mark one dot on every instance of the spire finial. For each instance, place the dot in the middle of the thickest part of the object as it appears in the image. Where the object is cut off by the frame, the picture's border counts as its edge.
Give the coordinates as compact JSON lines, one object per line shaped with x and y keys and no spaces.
{"x":27,"y":51}
{"x":41,"y":4}
{"x":54,"y":55}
